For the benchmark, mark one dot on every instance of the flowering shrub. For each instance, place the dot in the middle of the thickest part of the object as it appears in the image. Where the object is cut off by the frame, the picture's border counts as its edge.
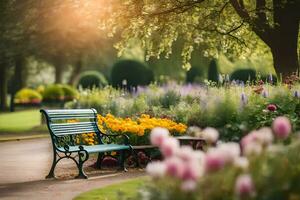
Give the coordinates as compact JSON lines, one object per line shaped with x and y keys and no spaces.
{"x":260,"y":167}
{"x":28,"y":96}
{"x":138,"y":129}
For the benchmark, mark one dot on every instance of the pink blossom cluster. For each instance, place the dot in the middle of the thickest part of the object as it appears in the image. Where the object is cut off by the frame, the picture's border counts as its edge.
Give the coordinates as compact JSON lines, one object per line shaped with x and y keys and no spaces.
{"x":188,"y":165}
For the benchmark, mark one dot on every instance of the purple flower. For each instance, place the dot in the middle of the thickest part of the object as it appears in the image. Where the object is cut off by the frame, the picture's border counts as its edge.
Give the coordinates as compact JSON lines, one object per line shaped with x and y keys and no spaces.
{"x":296,"y":94}
{"x":244,"y":99}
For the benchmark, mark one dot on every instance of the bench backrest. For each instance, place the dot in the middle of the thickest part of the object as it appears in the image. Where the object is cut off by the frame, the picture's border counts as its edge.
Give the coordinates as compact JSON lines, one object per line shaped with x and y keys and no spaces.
{"x":59,"y":125}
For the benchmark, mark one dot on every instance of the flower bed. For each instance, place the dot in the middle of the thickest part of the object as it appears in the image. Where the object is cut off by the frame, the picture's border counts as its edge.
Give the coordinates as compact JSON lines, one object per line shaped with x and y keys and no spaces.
{"x":265,"y":165}
{"x":233,"y":110}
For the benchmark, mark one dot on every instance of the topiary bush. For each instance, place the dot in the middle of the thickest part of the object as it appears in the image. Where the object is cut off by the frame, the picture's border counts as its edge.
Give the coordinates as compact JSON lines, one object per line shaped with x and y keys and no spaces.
{"x":193,"y":74}
{"x":213,"y":72}
{"x":130,"y":74}
{"x":70,"y":93}
{"x":90,"y":79}
{"x":243,"y":75}
{"x":27,"y":96}
{"x":53,"y":93}
{"x":59,"y":93}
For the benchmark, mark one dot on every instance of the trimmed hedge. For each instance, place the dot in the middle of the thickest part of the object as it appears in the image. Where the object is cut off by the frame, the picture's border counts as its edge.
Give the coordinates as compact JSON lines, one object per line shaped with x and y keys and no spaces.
{"x":243,"y":75}
{"x":130,"y":74}
{"x":90,"y":79}
{"x":213,"y":72}
{"x":193,"y":74}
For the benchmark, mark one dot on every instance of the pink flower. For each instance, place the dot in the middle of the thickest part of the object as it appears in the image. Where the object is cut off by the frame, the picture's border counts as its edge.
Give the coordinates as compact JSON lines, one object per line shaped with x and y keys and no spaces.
{"x":191,"y":171}
{"x":282,"y":127}
{"x":174,"y":167}
{"x":214,"y":161}
{"x":156,"y":169}
{"x":158,"y":135}
{"x":251,"y":137}
{"x":169,"y":146}
{"x":272,"y":107}
{"x":244,"y":186}
{"x":186,"y":153}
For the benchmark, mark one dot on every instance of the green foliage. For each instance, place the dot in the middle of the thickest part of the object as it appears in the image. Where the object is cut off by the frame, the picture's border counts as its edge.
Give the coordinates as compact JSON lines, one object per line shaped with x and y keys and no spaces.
{"x":134,"y":72}
{"x":170,"y":98}
{"x":27,"y":95}
{"x":243,"y":75}
{"x":90,"y":79}
{"x":213,"y":72}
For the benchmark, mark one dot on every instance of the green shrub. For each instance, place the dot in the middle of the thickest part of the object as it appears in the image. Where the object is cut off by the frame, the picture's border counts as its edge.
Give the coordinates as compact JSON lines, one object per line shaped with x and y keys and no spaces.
{"x":243,"y":75}
{"x":171,"y":98}
{"x":194,"y":74}
{"x":27,"y":95}
{"x":134,"y":72}
{"x":53,"y":93}
{"x":213,"y":72}
{"x":70,"y":93}
{"x":90,"y":79}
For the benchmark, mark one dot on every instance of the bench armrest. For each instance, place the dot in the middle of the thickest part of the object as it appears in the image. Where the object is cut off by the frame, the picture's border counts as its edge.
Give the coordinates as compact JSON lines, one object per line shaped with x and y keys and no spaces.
{"x":125,"y":137}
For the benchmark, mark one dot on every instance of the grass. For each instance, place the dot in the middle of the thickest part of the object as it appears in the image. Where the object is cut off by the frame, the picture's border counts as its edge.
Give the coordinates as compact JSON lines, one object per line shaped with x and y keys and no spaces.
{"x":112,"y":192}
{"x":20,"y":121}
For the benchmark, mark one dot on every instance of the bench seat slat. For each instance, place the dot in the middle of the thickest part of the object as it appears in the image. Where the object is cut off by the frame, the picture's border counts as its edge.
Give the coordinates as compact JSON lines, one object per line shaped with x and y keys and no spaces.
{"x":98,"y":148}
{"x":75,"y":132}
{"x":70,"y":125}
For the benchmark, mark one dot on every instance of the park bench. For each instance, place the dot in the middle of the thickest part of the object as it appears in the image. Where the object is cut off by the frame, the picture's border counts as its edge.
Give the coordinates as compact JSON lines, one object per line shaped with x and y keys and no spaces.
{"x":64,"y":134}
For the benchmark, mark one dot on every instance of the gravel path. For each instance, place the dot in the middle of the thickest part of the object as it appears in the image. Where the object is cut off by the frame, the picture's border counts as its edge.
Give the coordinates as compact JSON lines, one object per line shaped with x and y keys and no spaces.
{"x":25,"y":163}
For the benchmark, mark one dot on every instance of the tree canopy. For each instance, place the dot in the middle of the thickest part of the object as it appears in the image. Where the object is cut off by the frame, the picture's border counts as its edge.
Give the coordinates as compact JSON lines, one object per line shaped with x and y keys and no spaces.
{"x":233,"y":27}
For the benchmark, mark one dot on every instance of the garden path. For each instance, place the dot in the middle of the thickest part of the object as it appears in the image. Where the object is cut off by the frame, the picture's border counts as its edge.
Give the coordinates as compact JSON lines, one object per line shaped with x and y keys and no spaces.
{"x":25,"y":163}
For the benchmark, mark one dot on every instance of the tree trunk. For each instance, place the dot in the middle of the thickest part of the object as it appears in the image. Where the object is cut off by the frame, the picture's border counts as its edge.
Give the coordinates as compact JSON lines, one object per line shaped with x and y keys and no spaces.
{"x":284,"y":39}
{"x":58,"y":73}
{"x":3,"y":87}
{"x":75,"y":73}
{"x":19,"y":78}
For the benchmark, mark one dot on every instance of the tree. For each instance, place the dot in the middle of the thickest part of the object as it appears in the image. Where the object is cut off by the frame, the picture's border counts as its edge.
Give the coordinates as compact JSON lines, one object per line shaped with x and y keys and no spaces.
{"x":234,"y":27}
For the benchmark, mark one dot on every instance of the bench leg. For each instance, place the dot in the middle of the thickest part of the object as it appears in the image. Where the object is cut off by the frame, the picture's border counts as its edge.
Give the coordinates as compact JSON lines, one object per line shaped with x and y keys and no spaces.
{"x":51,"y":173}
{"x":83,"y":156}
{"x":99,"y":160}
{"x":122,"y":161}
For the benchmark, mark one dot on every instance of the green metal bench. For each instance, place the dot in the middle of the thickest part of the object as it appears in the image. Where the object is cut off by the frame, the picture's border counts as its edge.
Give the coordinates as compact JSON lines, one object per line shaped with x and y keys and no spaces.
{"x":63,"y":135}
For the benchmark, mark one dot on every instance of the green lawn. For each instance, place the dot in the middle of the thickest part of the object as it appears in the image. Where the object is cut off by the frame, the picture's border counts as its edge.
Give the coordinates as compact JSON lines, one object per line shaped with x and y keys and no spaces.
{"x":128,"y":189}
{"x":20,"y":121}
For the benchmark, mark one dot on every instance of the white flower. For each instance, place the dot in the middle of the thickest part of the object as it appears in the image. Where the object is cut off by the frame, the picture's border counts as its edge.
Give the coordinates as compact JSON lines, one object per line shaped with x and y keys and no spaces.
{"x":230,"y":150}
{"x":210,"y":135}
{"x":188,"y":186}
{"x":241,"y":162}
{"x":156,"y":169}
{"x":158,"y":135}
{"x":265,"y":135}
{"x":253,"y":148}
